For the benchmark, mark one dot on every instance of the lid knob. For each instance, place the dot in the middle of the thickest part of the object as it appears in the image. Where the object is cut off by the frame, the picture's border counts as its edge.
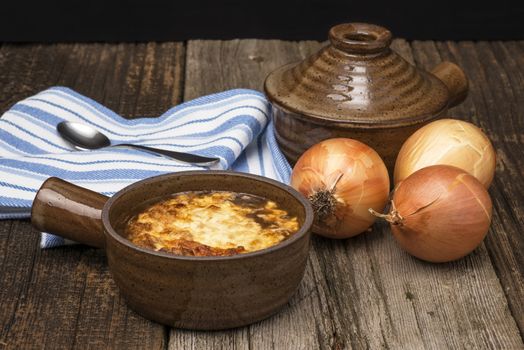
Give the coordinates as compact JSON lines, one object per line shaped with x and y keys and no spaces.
{"x":360,"y":38}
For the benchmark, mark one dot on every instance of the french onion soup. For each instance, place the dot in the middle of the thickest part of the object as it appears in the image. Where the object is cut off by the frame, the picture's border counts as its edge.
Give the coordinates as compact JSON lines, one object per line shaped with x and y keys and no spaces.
{"x":211,"y":223}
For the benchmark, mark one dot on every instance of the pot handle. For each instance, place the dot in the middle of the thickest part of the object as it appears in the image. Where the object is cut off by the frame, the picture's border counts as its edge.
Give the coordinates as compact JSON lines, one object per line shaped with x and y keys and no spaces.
{"x":455,"y":80}
{"x":69,"y":211}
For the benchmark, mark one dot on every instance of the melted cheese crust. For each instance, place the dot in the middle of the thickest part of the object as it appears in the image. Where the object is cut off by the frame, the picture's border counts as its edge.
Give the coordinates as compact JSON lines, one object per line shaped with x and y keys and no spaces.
{"x":211,"y":224}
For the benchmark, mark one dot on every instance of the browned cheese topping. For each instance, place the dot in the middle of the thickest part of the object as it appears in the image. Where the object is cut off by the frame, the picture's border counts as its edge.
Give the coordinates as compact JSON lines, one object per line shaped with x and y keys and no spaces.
{"x":211,"y":224}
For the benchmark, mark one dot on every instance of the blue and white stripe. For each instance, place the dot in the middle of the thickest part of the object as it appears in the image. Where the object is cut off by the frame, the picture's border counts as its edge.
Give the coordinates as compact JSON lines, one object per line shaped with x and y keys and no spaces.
{"x":234,"y":126}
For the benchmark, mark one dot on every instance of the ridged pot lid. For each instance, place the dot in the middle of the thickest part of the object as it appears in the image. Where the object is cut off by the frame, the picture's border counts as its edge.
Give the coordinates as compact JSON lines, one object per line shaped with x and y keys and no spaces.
{"x":358,"y":79}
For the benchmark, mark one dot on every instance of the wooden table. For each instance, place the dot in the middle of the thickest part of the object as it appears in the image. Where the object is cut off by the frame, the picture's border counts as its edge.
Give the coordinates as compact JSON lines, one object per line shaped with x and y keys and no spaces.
{"x":358,"y":293}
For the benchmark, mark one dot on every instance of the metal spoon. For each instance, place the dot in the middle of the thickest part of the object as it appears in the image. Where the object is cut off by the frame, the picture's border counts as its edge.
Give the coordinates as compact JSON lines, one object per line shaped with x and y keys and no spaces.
{"x":84,"y":137}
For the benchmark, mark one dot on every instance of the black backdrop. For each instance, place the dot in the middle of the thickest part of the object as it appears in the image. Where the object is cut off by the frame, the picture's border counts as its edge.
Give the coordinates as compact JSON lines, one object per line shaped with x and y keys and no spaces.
{"x":135,"y":20}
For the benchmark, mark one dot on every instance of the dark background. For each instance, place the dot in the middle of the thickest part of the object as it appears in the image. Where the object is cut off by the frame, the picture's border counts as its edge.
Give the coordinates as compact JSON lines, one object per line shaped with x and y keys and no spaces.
{"x":154,"y":20}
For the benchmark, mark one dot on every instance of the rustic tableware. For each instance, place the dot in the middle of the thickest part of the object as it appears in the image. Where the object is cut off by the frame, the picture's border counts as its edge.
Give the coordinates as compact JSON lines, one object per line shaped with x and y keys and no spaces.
{"x":182,"y":291}
{"x":85,"y":137}
{"x":358,"y":87}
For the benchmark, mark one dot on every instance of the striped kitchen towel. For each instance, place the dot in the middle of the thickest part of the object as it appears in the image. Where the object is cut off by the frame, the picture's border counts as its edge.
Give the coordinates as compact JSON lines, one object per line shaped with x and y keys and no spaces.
{"x":233,"y":125}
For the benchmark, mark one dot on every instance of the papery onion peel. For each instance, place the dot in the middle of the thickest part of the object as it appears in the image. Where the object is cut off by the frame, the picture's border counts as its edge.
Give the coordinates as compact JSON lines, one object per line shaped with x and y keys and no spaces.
{"x":342,"y":178}
{"x":439,"y":213}
{"x":451,"y":142}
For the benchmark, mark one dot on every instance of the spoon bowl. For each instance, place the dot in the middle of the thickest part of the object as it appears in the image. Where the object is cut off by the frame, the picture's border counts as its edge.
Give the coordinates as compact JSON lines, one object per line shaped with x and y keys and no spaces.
{"x":82,"y":136}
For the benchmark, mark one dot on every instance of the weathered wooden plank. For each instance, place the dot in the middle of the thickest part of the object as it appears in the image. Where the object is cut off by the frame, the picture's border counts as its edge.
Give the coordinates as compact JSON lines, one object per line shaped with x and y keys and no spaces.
{"x":237,"y":63}
{"x":18,"y":70}
{"x":362,"y":292}
{"x":506,"y":248}
{"x":496,"y":103}
{"x":65,"y":297}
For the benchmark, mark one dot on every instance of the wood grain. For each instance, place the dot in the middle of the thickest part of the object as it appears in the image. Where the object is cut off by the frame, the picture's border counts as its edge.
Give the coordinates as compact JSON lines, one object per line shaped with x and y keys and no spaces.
{"x":362,"y":292}
{"x":496,"y":103}
{"x":65,"y":298}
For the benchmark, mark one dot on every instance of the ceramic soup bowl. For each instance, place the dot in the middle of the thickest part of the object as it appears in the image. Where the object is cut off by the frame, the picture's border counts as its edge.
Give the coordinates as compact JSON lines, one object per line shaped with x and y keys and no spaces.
{"x":204,"y":293}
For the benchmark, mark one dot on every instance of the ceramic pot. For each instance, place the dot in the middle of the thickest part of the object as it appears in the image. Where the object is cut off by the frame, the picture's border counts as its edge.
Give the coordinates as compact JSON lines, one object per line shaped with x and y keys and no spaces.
{"x":182,"y":291}
{"x":358,"y":87}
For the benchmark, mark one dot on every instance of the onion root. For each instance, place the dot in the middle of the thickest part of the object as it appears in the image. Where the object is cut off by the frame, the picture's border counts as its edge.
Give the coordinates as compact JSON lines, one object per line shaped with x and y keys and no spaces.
{"x":324,"y":202}
{"x":393,"y":217}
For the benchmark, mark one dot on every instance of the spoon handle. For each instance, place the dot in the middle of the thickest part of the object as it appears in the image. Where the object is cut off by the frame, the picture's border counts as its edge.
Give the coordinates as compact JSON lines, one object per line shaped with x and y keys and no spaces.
{"x":180,"y":156}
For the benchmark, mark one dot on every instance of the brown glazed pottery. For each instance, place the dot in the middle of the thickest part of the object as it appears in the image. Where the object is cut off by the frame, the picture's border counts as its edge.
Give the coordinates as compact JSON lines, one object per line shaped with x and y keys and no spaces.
{"x":182,"y":291}
{"x":357,"y":87}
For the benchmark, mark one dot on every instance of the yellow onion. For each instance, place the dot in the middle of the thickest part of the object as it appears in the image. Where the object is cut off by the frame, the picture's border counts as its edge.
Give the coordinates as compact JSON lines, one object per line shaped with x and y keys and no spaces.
{"x":439,"y":213}
{"x":451,"y":142}
{"x":342,"y":178}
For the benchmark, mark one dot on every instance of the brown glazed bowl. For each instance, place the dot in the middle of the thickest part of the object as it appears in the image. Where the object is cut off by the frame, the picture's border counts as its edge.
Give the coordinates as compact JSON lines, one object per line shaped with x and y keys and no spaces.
{"x":357,"y":87}
{"x":204,"y":293}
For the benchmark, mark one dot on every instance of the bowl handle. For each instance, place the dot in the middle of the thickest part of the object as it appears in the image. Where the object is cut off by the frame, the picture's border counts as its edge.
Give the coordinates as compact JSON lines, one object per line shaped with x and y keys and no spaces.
{"x":455,"y":80}
{"x":69,"y":211}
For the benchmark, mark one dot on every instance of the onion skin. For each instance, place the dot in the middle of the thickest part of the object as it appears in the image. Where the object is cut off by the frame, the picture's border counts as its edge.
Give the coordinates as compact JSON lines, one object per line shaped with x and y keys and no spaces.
{"x":445,"y":213}
{"x":356,"y":177}
{"x":451,"y":142}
